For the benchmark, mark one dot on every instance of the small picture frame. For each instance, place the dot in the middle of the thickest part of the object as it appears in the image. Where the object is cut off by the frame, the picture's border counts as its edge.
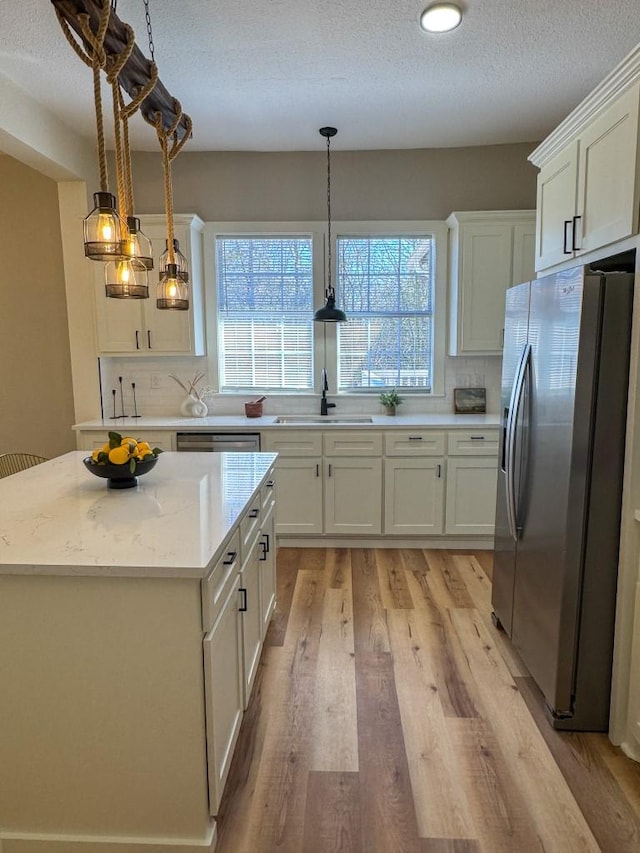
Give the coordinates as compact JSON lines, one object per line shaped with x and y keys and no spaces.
{"x":470,"y":401}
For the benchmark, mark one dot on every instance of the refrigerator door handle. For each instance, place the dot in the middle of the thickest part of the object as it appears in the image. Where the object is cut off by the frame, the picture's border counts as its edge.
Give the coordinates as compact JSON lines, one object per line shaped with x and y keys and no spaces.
{"x":512,"y":420}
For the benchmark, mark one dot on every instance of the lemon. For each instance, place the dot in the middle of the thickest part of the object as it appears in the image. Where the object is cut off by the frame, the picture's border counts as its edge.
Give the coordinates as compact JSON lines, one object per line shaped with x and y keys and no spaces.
{"x":119,"y":455}
{"x":95,"y":453}
{"x":144,"y":447}
{"x":106,"y":447}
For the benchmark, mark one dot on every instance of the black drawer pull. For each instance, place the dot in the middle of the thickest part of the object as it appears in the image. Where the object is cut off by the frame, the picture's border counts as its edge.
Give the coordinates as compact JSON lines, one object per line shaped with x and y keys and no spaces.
{"x":415,"y":438}
{"x":232,"y":558}
{"x":254,"y":513}
{"x":266,"y":539}
{"x":270,"y":484}
{"x":243,"y":606}
{"x":565,"y":238}
{"x":573,"y":234}
{"x":477,"y":437}
{"x":263,"y":556}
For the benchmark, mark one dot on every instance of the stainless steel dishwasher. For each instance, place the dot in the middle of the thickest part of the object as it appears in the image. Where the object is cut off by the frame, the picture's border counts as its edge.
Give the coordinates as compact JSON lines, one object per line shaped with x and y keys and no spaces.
{"x":218,"y":442}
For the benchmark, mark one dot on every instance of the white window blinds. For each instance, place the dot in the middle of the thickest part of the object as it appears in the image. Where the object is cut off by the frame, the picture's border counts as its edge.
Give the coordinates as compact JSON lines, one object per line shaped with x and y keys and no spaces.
{"x":265,"y":312}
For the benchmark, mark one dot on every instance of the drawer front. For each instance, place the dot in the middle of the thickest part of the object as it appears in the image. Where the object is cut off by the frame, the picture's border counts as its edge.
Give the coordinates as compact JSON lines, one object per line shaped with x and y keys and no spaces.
{"x":348,"y":443}
{"x":214,"y":586}
{"x":268,"y":493}
{"x":292,"y":443}
{"x":473,"y":442}
{"x":414,"y":443}
{"x":92,"y":439}
{"x":250,"y":525}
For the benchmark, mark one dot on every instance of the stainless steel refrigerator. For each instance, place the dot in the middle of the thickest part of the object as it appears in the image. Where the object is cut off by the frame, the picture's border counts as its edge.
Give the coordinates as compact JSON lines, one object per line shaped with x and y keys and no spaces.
{"x":564,"y":397}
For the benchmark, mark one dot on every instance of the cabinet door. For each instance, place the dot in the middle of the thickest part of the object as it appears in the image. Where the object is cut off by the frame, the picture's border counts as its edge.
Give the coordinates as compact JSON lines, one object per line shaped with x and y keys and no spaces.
{"x":267,"y":560}
{"x":223,"y":668}
{"x":171,"y":331}
{"x":299,"y":507}
{"x":352,"y":495}
{"x":251,"y":618}
{"x":607,"y":175}
{"x":555,"y":206}
{"x":484,"y":275}
{"x":524,"y":253}
{"x":471,"y":495}
{"x":414,"y":496}
{"x":119,"y":322}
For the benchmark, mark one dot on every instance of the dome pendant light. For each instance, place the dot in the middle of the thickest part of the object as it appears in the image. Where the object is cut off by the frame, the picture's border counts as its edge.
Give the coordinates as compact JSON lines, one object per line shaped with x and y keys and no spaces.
{"x":329,"y":314}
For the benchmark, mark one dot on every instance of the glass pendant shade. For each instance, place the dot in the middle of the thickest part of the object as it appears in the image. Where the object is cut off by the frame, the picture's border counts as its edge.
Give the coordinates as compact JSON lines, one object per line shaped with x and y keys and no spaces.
{"x":172,"y":290}
{"x":330,"y":314}
{"x":126,"y":279}
{"x":181,"y":263}
{"x":138,"y":245}
{"x":103,"y":231}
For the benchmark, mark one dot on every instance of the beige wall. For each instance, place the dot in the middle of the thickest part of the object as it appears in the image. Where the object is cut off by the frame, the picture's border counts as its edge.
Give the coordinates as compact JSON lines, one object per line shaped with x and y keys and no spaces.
{"x":36,"y":403}
{"x":385,"y":185}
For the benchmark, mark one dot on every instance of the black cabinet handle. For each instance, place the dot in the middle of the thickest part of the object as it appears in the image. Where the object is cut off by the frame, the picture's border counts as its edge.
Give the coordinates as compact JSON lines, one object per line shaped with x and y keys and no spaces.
{"x":263,"y":556}
{"x":137,"y":339}
{"x":317,"y":470}
{"x":232,"y":558}
{"x":243,"y":606}
{"x":415,"y":438}
{"x":254,"y":513}
{"x":565,"y":237}
{"x":329,"y":469}
{"x":270,"y":484}
{"x":573,"y":234}
{"x":149,"y":339}
{"x":266,"y":538}
{"x":439,"y":471}
{"x":477,"y":437}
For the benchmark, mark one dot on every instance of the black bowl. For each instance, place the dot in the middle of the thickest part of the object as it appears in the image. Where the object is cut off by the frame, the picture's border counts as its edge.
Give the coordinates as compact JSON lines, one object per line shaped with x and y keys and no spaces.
{"x":119,"y":476}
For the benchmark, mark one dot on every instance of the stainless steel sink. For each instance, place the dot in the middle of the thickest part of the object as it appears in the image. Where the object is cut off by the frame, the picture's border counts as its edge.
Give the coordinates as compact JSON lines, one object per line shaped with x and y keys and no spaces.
{"x":321,"y":419}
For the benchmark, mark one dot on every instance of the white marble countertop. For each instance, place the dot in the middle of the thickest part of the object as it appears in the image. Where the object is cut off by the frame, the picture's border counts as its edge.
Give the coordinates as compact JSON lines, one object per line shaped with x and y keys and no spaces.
{"x":240,"y":422}
{"x":59,"y":519}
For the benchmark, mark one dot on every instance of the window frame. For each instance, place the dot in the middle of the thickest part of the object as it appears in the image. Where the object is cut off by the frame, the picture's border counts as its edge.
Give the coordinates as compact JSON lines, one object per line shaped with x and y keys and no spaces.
{"x":325,"y":338}
{"x":402,"y":228}
{"x":212,"y":230}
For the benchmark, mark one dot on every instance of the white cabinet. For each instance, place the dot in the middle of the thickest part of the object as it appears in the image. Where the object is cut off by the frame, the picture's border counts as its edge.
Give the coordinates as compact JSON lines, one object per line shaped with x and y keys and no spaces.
{"x":352,"y":495}
{"x":414,"y":482}
{"x":136,"y":326}
{"x":91,"y":439}
{"x":588,"y":190}
{"x":299,"y":509}
{"x":472,"y":476}
{"x":267,"y":560}
{"x":251,"y":617}
{"x":414,"y":495}
{"x":489,"y":251}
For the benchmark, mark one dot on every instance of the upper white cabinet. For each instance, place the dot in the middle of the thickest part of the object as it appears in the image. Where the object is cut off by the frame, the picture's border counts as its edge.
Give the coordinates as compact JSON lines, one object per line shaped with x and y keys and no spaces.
{"x":136,"y":326}
{"x":489,"y":251}
{"x":588,"y":185}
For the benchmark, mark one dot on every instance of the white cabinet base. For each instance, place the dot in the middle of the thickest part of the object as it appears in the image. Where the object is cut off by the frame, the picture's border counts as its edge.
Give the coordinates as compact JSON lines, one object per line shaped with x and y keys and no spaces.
{"x":471,"y":495}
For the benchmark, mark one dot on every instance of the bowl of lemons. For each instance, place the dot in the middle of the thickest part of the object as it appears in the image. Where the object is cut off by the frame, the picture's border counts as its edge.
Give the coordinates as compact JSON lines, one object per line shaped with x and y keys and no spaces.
{"x":122,"y":460}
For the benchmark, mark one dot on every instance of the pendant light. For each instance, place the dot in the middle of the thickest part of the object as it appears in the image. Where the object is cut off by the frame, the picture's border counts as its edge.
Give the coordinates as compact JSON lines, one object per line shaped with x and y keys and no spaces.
{"x":329,"y":314}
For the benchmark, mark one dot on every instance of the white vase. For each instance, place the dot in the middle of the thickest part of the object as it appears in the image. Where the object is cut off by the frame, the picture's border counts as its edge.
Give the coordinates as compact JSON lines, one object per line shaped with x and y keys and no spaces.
{"x":191,"y":407}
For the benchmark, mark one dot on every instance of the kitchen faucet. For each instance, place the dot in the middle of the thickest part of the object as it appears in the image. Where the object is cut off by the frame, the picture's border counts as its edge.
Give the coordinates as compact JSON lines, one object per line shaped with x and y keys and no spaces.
{"x":324,"y":406}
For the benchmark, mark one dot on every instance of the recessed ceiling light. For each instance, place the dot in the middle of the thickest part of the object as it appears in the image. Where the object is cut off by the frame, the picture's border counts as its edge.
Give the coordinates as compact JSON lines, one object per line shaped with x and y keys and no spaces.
{"x":440,"y":18}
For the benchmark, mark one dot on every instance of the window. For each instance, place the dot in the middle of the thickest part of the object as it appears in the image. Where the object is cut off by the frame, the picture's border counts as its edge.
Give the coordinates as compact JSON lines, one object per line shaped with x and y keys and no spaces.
{"x":265,"y":311}
{"x":386,"y":284}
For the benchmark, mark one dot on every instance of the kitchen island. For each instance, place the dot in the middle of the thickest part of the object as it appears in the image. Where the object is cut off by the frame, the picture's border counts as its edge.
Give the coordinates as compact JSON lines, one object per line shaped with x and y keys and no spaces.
{"x":125,"y":662}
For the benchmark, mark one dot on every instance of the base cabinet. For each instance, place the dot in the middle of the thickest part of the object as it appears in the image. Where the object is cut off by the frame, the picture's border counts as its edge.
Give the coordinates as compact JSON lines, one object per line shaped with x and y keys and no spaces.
{"x":352,"y":495}
{"x":414,"y":496}
{"x":224,"y":690}
{"x":267,"y":560}
{"x":471,"y":495}
{"x":300,"y":495}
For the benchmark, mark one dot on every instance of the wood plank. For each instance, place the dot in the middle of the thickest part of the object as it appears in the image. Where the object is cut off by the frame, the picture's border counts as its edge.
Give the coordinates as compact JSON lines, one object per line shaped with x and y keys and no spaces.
{"x":391,"y":575}
{"x":287,"y":571}
{"x":439,"y":799}
{"x":451,"y":845}
{"x":480,"y":590}
{"x":558,"y":820}
{"x":438,"y":636}
{"x":332,"y":816}
{"x":499,"y":809}
{"x":614,"y":823}
{"x":445,"y":580}
{"x":624,"y":769}
{"x":338,"y":568}
{"x":334,"y":732}
{"x":485,"y":558}
{"x":386,"y":803}
{"x":369,"y":616}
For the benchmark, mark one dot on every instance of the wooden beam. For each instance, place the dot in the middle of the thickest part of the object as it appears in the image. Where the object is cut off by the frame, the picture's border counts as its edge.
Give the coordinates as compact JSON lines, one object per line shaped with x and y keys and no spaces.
{"x":136,"y":72}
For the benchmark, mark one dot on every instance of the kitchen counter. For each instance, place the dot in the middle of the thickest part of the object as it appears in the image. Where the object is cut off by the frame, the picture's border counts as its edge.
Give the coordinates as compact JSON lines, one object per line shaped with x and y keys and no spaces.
{"x":59,"y":519}
{"x":225,"y":422}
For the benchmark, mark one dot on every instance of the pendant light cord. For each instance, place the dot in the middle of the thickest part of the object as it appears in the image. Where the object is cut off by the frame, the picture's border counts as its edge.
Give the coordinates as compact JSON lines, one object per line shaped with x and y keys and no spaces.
{"x":329,"y":285}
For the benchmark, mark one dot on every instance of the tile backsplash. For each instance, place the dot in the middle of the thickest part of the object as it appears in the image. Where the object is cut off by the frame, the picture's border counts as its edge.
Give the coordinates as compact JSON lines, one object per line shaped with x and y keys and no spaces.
{"x":158,"y":395}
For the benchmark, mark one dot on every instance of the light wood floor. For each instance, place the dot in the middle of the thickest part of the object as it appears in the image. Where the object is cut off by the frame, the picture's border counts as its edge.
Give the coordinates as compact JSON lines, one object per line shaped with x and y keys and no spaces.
{"x":389,"y":716}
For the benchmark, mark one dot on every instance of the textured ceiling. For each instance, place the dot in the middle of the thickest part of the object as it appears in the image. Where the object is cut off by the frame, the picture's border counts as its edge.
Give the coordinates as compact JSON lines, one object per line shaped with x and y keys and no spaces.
{"x":265,"y":76}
